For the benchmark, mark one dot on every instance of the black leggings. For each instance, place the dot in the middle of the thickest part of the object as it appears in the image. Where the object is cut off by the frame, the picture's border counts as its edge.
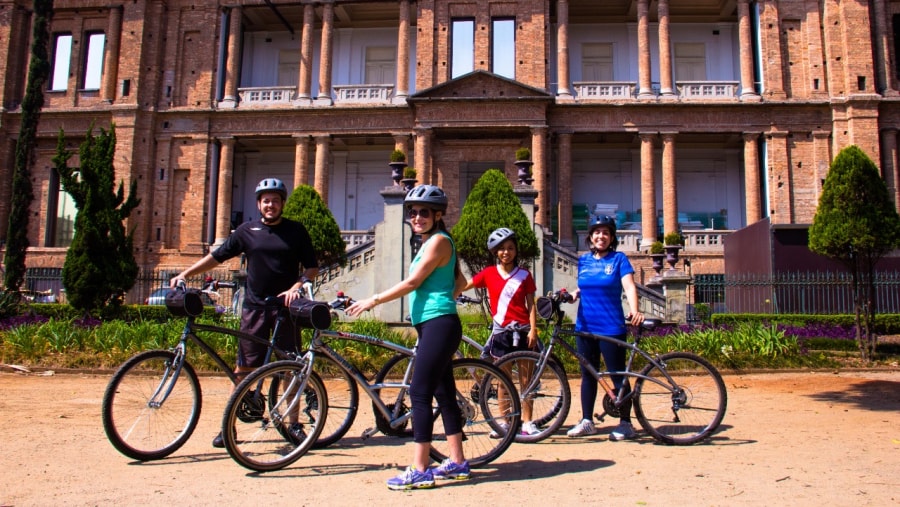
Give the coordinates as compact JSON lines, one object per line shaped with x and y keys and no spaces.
{"x":614,"y":357}
{"x":433,"y":378}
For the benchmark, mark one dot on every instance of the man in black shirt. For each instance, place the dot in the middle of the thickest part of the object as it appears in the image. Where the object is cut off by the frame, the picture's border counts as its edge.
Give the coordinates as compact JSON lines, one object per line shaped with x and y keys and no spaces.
{"x":275,"y":248}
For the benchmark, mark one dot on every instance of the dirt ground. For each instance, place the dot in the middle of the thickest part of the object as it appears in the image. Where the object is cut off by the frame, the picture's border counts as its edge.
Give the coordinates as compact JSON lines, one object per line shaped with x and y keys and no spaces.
{"x":812,"y":439}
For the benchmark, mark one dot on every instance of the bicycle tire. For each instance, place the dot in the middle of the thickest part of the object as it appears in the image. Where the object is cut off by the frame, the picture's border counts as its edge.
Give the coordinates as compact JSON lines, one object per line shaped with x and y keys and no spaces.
{"x":480,"y":388}
{"x":394,"y":369}
{"x":692,"y":412}
{"x":550,"y":400}
{"x":343,"y":401}
{"x":145,"y":432}
{"x":261,"y":445}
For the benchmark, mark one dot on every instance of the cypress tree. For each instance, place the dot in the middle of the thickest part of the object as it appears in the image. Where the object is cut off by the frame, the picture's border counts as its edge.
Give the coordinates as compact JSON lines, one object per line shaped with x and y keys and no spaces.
{"x":856,"y":224}
{"x":22,"y":193}
{"x":100,"y":266}
{"x":306,"y":206}
{"x":492,"y":204}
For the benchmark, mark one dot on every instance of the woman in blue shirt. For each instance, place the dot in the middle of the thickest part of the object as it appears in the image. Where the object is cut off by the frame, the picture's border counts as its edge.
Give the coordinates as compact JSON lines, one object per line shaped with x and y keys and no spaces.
{"x":434,"y":278}
{"x":603,"y":274}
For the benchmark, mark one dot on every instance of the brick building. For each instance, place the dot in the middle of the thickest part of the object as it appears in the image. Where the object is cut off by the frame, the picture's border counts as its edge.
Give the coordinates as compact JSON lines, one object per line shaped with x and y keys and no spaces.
{"x":702,"y":116}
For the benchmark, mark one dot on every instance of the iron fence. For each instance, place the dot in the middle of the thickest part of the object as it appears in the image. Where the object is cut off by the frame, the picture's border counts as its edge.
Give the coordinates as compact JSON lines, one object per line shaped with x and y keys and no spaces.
{"x":813,"y":292}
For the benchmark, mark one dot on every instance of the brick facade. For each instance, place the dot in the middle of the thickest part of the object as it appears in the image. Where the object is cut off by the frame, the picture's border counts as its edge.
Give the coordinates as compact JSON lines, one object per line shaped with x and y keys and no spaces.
{"x":178,"y":78}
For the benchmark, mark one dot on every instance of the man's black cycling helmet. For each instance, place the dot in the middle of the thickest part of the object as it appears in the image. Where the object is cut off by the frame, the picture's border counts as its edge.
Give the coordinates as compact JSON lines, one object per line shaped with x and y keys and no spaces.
{"x":603,"y":221}
{"x":497,"y":237}
{"x":427,"y":195}
{"x":271,"y":185}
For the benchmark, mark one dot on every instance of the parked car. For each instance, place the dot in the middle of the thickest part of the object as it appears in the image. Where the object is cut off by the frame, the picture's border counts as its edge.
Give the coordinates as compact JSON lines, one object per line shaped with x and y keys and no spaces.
{"x":158,"y":297}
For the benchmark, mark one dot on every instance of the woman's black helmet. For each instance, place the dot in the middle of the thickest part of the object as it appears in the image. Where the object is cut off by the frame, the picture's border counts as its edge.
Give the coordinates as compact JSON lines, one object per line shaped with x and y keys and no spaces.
{"x":427,"y":195}
{"x":603,"y":221}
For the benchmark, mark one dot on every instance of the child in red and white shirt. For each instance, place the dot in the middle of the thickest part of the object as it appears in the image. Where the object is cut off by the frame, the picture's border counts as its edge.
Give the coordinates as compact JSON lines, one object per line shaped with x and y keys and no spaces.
{"x":511,"y":291}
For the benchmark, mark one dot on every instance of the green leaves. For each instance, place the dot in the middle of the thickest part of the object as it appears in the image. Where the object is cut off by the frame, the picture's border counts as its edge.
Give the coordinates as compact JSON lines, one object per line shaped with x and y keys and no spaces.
{"x":306,"y":206}
{"x":492,"y":204}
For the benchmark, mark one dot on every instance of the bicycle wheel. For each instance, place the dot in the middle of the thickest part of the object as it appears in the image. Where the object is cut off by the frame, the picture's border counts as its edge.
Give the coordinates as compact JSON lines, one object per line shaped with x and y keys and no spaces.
{"x":548,"y":403}
{"x":392,"y":372}
{"x":148,"y":413}
{"x":343,"y":401}
{"x":286,"y":426}
{"x":489,"y":403}
{"x":685,"y":413}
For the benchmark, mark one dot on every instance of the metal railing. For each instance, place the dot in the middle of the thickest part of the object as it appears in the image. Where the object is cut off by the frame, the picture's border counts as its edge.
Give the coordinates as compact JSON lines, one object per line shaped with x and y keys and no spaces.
{"x":792,"y":292}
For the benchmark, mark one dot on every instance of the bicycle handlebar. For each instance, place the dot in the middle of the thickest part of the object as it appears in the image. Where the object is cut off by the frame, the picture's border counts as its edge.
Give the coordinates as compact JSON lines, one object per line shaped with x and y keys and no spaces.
{"x":462,"y":299}
{"x":563,"y":296}
{"x":341,"y":302}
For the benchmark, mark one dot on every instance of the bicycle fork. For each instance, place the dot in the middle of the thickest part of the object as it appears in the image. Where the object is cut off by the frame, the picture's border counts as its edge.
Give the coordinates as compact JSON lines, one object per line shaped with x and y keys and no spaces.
{"x":169,"y":378}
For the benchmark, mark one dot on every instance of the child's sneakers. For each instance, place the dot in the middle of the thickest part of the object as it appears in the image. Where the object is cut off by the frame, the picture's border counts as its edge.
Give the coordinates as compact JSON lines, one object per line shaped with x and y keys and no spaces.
{"x":529,"y":429}
{"x":412,"y":479}
{"x":450,"y":470}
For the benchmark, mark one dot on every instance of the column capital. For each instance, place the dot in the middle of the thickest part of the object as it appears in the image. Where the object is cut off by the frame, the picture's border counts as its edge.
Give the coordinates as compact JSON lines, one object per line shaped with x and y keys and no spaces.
{"x":751,"y":136}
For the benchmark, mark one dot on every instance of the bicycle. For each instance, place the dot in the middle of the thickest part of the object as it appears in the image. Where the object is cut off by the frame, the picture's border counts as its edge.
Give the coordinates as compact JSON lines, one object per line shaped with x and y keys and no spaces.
{"x":149,"y":412}
{"x":679,"y":398}
{"x":257,"y":443}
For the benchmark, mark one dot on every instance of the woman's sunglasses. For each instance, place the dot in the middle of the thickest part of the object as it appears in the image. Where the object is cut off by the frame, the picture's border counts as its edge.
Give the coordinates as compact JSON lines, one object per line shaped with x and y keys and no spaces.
{"x":424,"y":213}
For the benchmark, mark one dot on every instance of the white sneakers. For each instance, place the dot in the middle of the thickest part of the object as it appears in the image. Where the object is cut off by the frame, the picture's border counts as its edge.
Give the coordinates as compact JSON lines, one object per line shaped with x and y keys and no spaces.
{"x":585,"y":427}
{"x":528,"y":428}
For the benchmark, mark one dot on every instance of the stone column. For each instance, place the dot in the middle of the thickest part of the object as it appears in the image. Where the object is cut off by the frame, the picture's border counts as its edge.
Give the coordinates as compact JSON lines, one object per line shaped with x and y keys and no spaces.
{"x":770,"y":48}
{"x":645,"y":90}
{"x":669,"y":184}
{"x":326,"y":56}
{"x":648,"y":192}
{"x":780,"y":179}
{"x":111,"y":59}
{"x":675,"y":286}
{"x":233,"y":62}
{"x":423,"y":155}
{"x":392,"y":254}
{"x":564,"y":186}
{"x":748,"y":92}
{"x":889,"y":164}
{"x":562,"y":50}
{"x":304,"y":79}
{"x":666,"y":90}
{"x":401,"y":90}
{"x":226,"y":180}
{"x":301,"y":160}
{"x":540,"y":174}
{"x":751,"y":178}
{"x":323,"y":147}
{"x":883,"y":67}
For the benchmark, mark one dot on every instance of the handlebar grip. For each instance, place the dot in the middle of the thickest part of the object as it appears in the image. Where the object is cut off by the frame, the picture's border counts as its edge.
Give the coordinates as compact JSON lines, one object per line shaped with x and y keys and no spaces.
{"x":226,"y":285}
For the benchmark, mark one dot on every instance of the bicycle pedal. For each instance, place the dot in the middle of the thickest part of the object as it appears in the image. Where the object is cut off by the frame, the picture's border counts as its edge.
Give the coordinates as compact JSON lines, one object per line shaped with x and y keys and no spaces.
{"x":600,"y":417}
{"x":368,"y":433}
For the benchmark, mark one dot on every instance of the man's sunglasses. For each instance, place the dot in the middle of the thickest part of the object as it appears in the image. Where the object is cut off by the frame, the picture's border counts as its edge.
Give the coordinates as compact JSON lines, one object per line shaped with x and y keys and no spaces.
{"x":424,"y":213}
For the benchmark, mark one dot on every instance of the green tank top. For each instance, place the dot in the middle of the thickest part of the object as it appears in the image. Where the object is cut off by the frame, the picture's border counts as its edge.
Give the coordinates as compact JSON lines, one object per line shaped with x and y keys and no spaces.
{"x":435,"y":296}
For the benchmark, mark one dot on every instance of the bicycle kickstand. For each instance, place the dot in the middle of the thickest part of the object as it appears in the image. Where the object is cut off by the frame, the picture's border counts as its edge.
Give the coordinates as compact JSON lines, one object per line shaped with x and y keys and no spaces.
{"x":368,"y":433}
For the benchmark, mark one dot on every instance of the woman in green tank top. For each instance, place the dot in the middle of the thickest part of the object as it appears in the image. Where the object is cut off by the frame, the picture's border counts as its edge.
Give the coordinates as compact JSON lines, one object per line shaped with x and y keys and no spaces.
{"x":434,"y":279}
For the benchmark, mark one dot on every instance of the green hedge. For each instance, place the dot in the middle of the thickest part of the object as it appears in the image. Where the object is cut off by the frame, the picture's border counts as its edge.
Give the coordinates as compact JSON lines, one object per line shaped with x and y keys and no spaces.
{"x":884,"y":323}
{"x":127,"y":313}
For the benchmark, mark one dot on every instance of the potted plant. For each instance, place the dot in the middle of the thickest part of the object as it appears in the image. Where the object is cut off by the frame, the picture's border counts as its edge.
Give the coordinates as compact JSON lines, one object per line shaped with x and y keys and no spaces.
{"x":397,"y":163}
{"x":409,"y":178}
{"x":524,"y":163}
{"x":673,"y":242}
{"x":657,"y":254}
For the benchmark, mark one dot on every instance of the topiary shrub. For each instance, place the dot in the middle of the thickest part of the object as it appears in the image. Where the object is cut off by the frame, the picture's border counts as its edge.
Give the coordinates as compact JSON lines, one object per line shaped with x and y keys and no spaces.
{"x":492,"y":204}
{"x":306,"y":206}
{"x":523,"y":154}
{"x":398,"y":156}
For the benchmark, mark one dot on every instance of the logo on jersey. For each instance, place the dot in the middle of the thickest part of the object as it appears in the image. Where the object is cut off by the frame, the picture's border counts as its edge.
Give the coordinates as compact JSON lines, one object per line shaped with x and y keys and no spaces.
{"x":608,"y":269}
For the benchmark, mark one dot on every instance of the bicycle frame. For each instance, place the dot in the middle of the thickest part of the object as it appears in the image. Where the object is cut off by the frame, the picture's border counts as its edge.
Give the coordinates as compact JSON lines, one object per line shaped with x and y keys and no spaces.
{"x":601,"y":377}
{"x":318,"y":345}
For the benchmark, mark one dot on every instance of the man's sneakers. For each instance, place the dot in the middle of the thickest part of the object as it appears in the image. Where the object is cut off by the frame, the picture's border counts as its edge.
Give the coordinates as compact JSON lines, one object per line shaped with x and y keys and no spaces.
{"x":451,"y":470}
{"x":583,"y":428}
{"x":219,"y":442}
{"x":412,"y":479}
{"x":624,"y":431}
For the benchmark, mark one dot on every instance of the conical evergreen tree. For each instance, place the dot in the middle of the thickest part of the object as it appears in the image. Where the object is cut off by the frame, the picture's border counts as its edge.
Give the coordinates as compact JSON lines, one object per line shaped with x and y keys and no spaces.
{"x":100,"y":266}
{"x":856,"y":224}
{"x":306,"y":206}
{"x":22,"y":194}
{"x":492,"y":204}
